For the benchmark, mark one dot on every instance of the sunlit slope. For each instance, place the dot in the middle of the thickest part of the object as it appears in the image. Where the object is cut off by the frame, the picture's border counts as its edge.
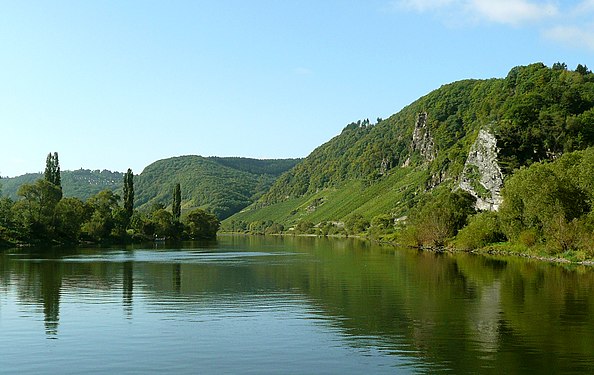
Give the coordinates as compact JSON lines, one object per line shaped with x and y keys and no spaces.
{"x":220,"y":185}
{"x":536,"y":113}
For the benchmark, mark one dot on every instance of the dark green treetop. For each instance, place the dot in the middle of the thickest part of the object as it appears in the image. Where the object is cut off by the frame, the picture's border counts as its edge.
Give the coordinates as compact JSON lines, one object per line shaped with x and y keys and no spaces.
{"x":52,"y":170}
{"x":177,"y":202}
{"x":129,"y":193}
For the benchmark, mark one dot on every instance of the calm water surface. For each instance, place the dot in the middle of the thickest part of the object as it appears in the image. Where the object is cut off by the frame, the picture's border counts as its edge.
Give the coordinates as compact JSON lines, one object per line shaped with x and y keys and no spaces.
{"x":252,"y":305}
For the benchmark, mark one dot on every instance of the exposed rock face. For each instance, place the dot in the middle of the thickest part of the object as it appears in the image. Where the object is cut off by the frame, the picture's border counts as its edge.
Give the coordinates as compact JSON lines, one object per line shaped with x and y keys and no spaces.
{"x":422,"y":141}
{"x":482,"y":176}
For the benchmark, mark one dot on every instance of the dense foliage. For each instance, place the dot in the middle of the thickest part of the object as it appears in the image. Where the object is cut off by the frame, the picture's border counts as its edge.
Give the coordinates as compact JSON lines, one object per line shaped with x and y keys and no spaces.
{"x":537,"y":112}
{"x":547,"y":209}
{"x":129,"y":193}
{"x":42,"y":215}
{"x":273,"y":167}
{"x":375,"y":171}
{"x":552,"y":203}
{"x":81,"y":183}
{"x":222,"y":186}
{"x":396,"y":179}
{"x":114,"y":207}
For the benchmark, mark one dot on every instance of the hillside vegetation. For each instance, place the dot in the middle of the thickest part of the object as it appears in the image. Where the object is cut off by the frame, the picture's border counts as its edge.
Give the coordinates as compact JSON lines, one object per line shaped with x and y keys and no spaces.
{"x":219,"y":185}
{"x":372,"y":176}
{"x":44,"y":214}
{"x":81,"y":184}
{"x":222,"y":186}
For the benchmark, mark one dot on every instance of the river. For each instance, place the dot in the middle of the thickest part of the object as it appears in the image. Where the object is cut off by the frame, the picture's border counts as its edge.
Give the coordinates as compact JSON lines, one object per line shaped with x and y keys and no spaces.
{"x":290,"y":305}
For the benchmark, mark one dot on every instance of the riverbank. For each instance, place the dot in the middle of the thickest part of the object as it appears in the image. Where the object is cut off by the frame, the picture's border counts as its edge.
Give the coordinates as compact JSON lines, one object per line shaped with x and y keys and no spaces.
{"x":499,"y":249}
{"x":570,"y":257}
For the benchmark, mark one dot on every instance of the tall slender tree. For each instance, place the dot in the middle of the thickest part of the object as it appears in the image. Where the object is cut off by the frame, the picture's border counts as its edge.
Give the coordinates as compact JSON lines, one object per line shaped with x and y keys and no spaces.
{"x":129,"y":193}
{"x":177,"y":202}
{"x":52,"y":170}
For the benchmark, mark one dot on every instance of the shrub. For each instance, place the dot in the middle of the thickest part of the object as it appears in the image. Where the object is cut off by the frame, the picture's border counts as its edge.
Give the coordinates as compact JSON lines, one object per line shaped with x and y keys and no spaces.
{"x":528,"y":237}
{"x":440,"y":217}
{"x":562,"y":235}
{"x":356,"y":224}
{"x":482,"y":229}
{"x":304,"y":227}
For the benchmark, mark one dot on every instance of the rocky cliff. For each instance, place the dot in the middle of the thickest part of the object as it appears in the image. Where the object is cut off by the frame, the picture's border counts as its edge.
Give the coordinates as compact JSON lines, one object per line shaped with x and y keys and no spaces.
{"x":482,"y":175}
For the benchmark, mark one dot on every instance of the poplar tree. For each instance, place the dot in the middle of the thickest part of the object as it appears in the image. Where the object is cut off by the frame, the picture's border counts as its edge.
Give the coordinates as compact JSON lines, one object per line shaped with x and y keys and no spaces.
{"x":52,"y":170}
{"x":177,"y":202}
{"x":129,"y":193}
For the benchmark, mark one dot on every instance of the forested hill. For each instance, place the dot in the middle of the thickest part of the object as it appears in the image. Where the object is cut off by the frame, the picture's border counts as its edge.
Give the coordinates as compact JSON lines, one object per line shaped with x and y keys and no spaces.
{"x":81,"y":183}
{"x":273,"y":167}
{"x":222,"y":186}
{"x":535,"y":113}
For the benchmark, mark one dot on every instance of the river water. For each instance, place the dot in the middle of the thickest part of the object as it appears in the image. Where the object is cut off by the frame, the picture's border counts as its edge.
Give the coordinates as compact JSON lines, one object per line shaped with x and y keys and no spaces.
{"x":284,"y":305}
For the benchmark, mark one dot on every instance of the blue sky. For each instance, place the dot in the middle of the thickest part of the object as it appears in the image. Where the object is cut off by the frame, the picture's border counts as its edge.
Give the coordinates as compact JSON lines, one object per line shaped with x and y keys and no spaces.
{"x":120,"y":84}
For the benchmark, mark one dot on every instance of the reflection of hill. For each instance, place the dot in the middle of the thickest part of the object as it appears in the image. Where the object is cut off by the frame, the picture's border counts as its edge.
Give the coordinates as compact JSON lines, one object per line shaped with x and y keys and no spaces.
{"x":459,"y":312}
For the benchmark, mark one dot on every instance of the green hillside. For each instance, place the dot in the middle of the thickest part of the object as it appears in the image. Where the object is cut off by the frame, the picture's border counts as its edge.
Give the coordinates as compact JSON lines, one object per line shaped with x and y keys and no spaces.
{"x":536,"y":113}
{"x":223,"y":186}
{"x":82,"y":183}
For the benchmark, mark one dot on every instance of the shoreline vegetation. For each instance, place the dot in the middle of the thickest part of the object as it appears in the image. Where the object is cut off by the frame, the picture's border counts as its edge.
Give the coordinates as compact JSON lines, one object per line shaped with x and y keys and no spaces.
{"x":42,"y":216}
{"x":504,"y":249}
{"x":504,"y":165}
{"x":496,"y":250}
{"x":497,"y":166}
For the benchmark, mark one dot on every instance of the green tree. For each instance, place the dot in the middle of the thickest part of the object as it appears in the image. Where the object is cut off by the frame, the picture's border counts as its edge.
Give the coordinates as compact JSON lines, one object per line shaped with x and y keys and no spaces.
{"x":202,"y":225}
{"x":482,"y":229}
{"x":356,"y":224}
{"x":101,"y":223}
{"x":177,"y":202}
{"x":71,"y":213}
{"x":129,"y":194}
{"x":36,"y":209}
{"x":440,"y":217}
{"x":582,"y":69}
{"x":52,"y":170}
{"x":7,"y":223}
{"x":163,"y":223}
{"x":537,"y":198}
{"x":304,"y":227}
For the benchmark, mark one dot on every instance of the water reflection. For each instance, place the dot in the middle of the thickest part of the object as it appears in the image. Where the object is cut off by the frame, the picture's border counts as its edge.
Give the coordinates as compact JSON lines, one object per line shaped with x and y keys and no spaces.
{"x":128,"y":286}
{"x":395,"y":307}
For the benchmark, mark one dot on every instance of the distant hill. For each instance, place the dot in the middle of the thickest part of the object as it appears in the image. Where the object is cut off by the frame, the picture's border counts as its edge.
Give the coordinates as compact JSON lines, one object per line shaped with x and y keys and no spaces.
{"x":82,"y":183}
{"x":465,"y":135}
{"x":223,"y":186}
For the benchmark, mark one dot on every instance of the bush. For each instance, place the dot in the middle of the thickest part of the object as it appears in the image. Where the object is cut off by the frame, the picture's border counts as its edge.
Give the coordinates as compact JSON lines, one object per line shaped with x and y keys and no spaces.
{"x":562,"y":235}
{"x":483,"y":229}
{"x":528,"y":237}
{"x":356,"y":224}
{"x":534,"y":197}
{"x":304,"y":227}
{"x":440,"y":218}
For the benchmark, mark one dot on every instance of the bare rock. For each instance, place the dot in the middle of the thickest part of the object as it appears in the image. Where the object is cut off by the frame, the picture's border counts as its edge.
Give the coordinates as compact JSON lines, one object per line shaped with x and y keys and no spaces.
{"x":482,"y":176}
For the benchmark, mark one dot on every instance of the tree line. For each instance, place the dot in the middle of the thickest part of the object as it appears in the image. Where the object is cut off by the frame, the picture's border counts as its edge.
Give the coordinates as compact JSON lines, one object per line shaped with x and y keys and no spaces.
{"x":42,"y":215}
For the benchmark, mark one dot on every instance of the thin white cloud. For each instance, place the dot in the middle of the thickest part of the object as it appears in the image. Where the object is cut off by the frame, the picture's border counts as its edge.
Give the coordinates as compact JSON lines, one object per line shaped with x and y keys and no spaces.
{"x":586,"y":6}
{"x":565,"y":23}
{"x":580,"y":37}
{"x":512,"y":12}
{"x":576,"y":28}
